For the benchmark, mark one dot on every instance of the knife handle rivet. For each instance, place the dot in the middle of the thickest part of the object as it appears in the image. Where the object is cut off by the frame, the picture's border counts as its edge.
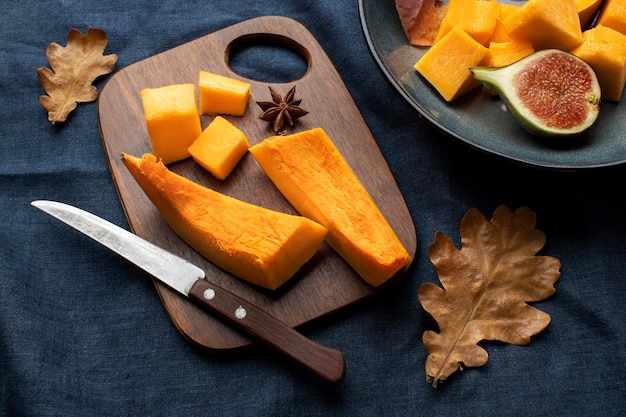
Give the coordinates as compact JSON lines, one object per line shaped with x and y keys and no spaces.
{"x":240,"y":313}
{"x":209,"y":293}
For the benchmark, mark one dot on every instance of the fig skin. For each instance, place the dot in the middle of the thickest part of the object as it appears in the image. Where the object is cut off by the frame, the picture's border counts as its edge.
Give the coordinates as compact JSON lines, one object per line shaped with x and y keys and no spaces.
{"x":570,"y":83}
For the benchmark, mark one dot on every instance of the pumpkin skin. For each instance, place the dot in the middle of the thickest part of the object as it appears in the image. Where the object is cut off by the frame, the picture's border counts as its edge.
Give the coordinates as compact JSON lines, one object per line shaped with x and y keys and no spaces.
{"x":426,"y":24}
{"x":310,"y":172}
{"x":261,"y":246}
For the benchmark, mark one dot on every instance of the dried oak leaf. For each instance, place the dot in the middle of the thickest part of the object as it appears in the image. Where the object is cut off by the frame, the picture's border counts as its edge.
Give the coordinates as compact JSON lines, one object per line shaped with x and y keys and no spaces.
{"x":486,"y":287}
{"x":73,"y":70}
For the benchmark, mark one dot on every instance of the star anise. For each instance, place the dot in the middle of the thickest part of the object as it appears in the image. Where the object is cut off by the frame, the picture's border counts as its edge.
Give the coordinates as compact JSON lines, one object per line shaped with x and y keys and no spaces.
{"x":281,"y":110}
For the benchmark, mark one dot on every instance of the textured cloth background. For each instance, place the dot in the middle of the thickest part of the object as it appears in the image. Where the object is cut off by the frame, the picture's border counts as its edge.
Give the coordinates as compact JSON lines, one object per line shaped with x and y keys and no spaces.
{"x":83,"y":333}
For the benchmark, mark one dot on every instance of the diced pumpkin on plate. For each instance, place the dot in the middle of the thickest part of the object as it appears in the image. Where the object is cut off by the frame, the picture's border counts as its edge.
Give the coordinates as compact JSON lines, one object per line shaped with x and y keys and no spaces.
{"x":613,"y":15}
{"x":315,"y":178}
{"x":604,"y":49}
{"x":446,"y":64}
{"x":259,"y":245}
{"x":546,"y":24}
{"x":171,"y":114}
{"x":505,"y":53}
{"x":499,"y":33}
{"x":506,"y":9}
{"x":219,"y":148}
{"x":223,"y":95}
{"x":476,"y":17}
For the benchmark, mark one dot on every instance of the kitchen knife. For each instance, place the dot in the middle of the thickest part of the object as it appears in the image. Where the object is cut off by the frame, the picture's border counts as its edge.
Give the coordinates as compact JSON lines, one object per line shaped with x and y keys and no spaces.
{"x":189,"y":280}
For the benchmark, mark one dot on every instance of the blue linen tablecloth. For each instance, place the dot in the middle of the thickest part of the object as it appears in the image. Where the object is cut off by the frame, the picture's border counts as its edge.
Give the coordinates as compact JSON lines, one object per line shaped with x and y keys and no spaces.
{"x":83,"y":333}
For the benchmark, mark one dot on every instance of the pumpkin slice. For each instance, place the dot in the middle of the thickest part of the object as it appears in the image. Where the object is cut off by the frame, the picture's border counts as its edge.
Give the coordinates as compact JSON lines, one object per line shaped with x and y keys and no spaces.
{"x":259,"y":245}
{"x":310,"y":172}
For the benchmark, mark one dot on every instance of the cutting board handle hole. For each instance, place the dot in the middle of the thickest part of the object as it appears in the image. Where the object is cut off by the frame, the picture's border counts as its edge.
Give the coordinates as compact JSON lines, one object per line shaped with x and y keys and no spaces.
{"x":268,"y":58}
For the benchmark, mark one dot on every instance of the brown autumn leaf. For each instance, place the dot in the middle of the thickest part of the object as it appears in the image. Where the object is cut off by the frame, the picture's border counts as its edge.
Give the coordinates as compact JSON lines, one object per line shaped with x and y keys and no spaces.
{"x":73,"y":70}
{"x":486,"y":287}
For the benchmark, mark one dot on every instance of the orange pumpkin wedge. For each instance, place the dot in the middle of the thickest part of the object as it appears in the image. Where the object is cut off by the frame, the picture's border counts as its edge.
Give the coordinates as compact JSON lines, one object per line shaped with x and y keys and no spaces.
{"x":259,"y":245}
{"x":310,"y":172}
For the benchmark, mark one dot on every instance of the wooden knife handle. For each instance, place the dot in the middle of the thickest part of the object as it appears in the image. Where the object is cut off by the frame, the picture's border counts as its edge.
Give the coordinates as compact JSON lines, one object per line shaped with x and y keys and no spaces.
{"x":325,"y":362}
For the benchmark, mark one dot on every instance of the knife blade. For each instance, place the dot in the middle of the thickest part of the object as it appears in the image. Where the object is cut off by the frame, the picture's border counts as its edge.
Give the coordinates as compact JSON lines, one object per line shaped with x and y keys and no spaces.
{"x":189,"y":281}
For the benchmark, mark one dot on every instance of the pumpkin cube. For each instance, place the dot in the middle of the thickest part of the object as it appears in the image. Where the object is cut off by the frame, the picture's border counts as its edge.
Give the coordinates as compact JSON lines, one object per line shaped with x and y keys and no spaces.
{"x":546,"y":24}
{"x":476,"y":17}
{"x":446,"y":64}
{"x":604,"y":49}
{"x":222,"y":95}
{"x":499,"y":33}
{"x":505,"y":10}
{"x":613,"y":15}
{"x":172,"y":118}
{"x":315,"y":178}
{"x":219,"y":148}
{"x":505,"y":53}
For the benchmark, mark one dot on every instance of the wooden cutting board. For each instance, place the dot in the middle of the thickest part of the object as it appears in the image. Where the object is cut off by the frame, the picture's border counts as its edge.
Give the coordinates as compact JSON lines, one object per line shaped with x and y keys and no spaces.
{"x":326,"y":284}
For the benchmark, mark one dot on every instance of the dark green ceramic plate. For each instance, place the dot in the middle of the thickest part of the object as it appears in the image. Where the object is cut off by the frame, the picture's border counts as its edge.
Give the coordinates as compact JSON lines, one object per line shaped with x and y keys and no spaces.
{"x":477,"y":119}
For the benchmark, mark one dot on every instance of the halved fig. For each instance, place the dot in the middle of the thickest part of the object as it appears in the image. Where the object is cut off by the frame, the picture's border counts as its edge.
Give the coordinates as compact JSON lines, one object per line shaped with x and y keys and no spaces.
{"x":551,"y":93}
